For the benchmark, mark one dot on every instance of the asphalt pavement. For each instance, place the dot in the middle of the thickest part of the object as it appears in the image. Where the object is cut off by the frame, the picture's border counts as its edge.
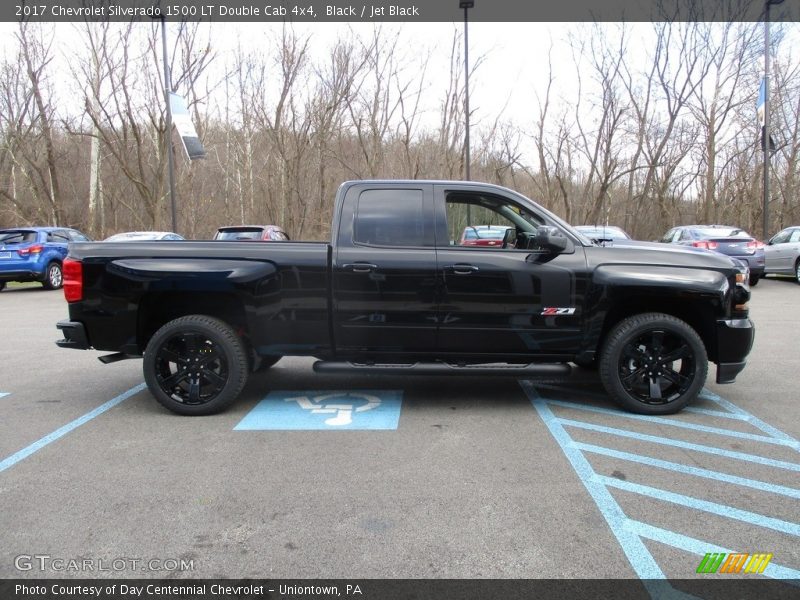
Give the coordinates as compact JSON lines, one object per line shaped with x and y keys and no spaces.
{"x":450,"y":478}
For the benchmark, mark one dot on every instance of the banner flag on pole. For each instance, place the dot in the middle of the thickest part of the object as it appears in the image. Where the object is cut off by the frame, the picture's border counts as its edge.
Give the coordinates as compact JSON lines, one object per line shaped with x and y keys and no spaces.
{"x":183,"y":124}
{"x":761,"y":104}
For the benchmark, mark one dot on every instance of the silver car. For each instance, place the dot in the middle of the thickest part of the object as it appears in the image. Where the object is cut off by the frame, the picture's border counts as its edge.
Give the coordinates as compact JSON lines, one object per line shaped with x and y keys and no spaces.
{"x":782,"y":253}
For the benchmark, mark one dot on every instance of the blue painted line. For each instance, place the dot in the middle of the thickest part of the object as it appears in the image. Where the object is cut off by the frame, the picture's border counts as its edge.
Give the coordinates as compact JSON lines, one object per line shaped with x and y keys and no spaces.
{"x":326,"y":410}
{"x":62,"y":431}
{"x":637,"y":553}
{"x":689,"y":470}
{"x":715,"y":413}
{"x":675,"y":423}
{"x":780,"y":464}
{"x":703,"y":505}
{"x":695,"y":546}
{"x":752,"y":419}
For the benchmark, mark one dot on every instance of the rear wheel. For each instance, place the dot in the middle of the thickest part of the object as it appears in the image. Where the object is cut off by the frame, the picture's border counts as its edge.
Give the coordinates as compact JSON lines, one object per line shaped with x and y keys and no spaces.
{"x":195,"y":365}
{"x":653,"y":364}
{"x":754,"y":279}
{"x":797,"y":271}
{"x":53,"y":277}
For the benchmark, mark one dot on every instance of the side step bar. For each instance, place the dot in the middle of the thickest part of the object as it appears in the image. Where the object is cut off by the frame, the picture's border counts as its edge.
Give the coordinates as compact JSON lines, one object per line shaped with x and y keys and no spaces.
{"x":441,"y":368}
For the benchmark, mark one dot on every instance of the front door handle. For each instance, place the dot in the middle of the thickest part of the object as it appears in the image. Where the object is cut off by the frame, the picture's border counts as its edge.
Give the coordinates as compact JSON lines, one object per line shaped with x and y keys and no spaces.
{"x":360,"y":267}
{"x":461,"y":269}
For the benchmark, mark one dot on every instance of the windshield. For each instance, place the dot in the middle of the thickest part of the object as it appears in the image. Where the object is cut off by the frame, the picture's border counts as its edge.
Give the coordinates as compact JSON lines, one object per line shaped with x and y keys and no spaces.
{"x":239,"y":234}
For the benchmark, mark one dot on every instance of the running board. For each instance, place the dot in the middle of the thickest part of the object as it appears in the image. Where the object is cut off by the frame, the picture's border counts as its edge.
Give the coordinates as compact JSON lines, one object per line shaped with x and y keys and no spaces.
{"x":441,"y":368}
{"x":107,"y":359}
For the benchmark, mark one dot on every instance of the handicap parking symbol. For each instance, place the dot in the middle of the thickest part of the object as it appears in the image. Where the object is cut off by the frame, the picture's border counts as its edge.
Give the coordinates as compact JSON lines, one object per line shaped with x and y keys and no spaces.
{"x":325,"y":410}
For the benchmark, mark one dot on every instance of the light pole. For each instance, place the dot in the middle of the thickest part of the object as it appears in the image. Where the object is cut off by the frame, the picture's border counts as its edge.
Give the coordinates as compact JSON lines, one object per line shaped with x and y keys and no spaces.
{"x":766,"y":144}
{"x":466,"y":5}
{"x":159,"y":14}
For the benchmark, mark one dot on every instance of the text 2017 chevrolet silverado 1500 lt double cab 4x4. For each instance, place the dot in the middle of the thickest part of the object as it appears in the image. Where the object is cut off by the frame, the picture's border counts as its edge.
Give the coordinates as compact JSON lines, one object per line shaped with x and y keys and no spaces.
{"x":394,"y":292}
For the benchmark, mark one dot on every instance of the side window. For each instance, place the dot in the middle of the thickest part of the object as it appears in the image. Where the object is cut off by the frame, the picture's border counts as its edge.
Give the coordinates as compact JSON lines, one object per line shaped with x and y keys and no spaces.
{"x":77,"y":236}
{"x":476,"y":220}
{"x":685,"y":235}
{"x":390,"y":218}
{"x":795,"y":236}
{"x":782,"y":237}
{"x":59,"y":237}
{"x":668,"y":236}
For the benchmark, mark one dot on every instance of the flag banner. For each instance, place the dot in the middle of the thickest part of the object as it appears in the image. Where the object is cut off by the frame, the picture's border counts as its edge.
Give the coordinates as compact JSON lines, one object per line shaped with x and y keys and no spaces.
{"x":183,"y":124}
{"x":762,"y":102}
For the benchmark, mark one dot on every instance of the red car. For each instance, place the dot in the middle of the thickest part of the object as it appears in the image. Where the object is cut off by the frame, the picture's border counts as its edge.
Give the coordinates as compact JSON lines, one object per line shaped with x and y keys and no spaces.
{"x":484,"y":235}
{"x":263,"y":233}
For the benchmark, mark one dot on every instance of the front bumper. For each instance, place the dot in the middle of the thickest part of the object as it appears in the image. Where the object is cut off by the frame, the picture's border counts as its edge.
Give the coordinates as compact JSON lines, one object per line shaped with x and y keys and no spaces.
{"x":74,"y":335}
{"x":734,"y":341}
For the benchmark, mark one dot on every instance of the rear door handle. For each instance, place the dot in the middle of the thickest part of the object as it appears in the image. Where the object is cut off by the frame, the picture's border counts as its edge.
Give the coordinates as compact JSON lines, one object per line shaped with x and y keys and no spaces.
{"x":360,"y":267}
{"x":461,"y":269}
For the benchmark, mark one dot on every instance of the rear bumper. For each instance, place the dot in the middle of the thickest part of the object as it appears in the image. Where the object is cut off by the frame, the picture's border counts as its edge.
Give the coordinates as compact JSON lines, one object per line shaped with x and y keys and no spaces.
{"x":734,"y":341}
{"x":74,"y":335}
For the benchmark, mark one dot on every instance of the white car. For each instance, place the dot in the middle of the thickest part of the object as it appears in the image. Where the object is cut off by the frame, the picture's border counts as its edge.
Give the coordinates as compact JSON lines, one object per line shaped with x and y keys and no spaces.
{"x":782,"y":253}
{"x":143,"y":236}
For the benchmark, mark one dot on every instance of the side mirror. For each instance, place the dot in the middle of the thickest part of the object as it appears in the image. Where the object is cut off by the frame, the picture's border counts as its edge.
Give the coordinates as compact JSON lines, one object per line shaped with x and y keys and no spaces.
{"x":550,"y":239}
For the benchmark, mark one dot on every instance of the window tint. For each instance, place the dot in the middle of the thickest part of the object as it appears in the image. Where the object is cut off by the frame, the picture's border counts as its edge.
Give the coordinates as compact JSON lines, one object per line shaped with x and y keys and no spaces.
{"x":58,"y":237}
{"x":390,"y":218}
{"x":477,"y":220}
{"x":17,"y":237}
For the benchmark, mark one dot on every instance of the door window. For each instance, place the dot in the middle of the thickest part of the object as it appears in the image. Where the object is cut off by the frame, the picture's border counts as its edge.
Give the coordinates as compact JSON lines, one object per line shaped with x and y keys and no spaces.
{"x":394,"y":218}
{"x":482,"y":221}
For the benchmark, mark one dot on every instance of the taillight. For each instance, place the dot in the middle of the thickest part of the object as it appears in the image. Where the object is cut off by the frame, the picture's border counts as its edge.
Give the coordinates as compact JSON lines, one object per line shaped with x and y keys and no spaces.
{"x":37,"y":249}
{"x":73,"y":280}
{"x":706,"y":245}
{"x":755,"y":245}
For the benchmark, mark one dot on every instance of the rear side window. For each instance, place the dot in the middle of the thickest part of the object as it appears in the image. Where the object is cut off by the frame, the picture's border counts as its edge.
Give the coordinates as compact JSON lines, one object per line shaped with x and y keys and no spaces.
{"x":240,"y":234}
{"x":58,"y":237}
{"x":390,"y":218}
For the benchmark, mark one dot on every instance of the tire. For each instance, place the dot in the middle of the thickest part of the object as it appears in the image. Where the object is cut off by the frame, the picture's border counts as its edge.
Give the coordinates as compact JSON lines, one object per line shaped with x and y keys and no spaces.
{"x":2,"y":285}
{"x":265,"y":362}
{"x":754,"y":279}
{"x":221,"y":359}
{"x":53,"y":277}
{"x":647,"y":341}
{"x":797,"y":271}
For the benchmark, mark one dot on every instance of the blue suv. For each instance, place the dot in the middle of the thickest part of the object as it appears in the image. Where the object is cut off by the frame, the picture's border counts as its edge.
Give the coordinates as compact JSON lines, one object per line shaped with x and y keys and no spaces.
{"x":35,"y":254}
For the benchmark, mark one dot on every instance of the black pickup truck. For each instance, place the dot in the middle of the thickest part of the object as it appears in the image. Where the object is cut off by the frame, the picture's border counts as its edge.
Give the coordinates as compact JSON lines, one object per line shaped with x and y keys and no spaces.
{"x":398,"y":290}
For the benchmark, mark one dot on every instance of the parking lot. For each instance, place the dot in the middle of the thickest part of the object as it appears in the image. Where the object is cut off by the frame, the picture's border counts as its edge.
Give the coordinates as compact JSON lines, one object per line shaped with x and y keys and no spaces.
{"x":448,"y":478}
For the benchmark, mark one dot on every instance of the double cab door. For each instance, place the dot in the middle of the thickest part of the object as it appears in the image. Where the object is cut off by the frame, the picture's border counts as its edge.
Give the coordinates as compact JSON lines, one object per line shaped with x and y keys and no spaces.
{"x":451,"y":270}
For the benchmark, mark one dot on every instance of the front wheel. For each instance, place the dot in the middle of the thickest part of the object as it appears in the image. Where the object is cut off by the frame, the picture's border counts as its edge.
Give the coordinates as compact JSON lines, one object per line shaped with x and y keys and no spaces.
{"x":653,"y":364}
{"x":754,"y":279}
{"x":195,"y":365}
{"x":797,"y":271}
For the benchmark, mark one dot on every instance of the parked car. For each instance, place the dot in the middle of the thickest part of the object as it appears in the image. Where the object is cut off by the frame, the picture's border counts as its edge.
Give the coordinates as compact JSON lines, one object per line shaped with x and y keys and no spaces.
{"x":724,"y":239}
{"x":782,"y":253}
{"x":483,"y":235}
{"x":35,"y":254}
{"x":143,"y":236}
{"x":264,"y":233}
{"x":603,"y":232}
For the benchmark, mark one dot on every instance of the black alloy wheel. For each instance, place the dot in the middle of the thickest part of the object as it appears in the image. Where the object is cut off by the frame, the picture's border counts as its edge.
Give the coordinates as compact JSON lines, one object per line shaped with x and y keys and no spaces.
{"x":195,"y":365}
{"x":653,"y":364}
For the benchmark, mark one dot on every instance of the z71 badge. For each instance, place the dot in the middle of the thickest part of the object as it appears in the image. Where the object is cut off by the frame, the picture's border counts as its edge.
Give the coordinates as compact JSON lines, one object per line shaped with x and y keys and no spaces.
{"x":550,"y":311}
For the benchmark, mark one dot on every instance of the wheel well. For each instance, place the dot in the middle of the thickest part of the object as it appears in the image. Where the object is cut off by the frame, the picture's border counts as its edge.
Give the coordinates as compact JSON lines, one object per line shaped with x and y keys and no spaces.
{"x":157,"y":309}
{"x":698,"y":314}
